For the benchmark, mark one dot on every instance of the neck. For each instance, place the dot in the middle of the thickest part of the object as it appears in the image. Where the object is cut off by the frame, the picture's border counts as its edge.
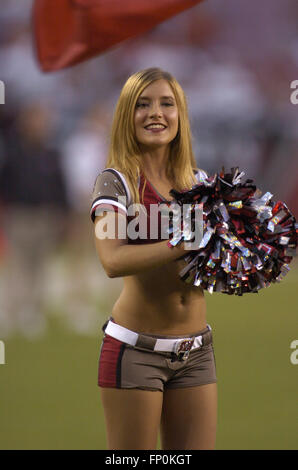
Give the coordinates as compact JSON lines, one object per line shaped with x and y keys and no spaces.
{"x":155,"y":162}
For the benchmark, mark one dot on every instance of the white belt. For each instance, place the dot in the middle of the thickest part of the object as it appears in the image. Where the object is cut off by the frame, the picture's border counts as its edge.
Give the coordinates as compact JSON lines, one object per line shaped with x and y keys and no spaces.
{"x":177,"y":345}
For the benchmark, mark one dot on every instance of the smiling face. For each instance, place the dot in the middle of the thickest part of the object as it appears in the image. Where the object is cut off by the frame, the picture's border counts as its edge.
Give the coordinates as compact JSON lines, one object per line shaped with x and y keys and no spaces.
{"x":156,"y":115}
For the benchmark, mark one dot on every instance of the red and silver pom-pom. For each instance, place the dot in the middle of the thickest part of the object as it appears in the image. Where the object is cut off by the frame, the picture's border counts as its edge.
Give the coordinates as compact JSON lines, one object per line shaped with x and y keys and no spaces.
{"x":248,"y":240}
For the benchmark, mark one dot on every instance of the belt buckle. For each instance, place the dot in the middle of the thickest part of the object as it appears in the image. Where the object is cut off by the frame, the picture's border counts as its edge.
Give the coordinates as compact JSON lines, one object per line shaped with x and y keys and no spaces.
{"x":183,"y":347}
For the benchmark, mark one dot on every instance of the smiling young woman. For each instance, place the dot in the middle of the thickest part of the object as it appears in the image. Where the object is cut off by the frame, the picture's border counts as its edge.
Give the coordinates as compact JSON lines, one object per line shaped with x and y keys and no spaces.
{"x":157,"y":365}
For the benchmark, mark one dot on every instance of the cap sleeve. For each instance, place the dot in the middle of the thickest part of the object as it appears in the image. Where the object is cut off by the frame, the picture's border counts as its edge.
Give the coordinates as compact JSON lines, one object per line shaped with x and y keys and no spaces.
{"x":109,"y":194}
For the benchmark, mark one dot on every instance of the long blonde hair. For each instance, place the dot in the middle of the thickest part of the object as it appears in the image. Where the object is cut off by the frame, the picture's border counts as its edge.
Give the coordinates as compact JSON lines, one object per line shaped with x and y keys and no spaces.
{"x":124,"y":152}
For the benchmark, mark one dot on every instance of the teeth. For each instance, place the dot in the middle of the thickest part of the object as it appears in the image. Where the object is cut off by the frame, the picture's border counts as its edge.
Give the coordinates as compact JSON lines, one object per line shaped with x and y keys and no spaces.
{"x":155,"y":126}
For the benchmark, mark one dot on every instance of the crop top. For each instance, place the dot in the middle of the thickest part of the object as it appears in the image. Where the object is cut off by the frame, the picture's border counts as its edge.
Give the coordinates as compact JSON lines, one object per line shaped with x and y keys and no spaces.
{"x":111,"y":193}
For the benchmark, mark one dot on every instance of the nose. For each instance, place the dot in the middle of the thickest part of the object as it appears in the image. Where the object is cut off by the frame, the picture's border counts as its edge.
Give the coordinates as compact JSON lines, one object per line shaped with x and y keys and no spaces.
{"x":155,"y":110}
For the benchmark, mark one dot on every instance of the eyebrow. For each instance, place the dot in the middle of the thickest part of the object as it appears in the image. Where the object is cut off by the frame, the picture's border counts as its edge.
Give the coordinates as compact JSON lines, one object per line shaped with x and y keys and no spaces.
{"x":162,"y":97}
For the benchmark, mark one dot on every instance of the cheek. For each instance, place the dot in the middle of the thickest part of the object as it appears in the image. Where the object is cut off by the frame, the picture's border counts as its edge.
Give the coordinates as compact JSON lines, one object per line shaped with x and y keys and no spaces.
{"x":174,"y":118}
{"x":138,"y":121}
{"x":139,"y":115}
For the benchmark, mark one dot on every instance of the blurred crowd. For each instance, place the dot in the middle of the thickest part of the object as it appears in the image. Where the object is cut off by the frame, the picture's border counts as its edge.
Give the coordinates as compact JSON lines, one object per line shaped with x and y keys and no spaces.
{"x":235,"y":65}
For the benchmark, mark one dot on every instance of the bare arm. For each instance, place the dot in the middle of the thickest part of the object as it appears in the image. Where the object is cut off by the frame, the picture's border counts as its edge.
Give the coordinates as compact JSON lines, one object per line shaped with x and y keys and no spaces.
{"x":120,"y":259}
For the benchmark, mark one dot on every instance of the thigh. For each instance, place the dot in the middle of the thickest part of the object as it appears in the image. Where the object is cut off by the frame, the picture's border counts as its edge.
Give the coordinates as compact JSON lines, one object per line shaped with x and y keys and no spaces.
{"x":132,"y":417}
{"x":189,"y":417}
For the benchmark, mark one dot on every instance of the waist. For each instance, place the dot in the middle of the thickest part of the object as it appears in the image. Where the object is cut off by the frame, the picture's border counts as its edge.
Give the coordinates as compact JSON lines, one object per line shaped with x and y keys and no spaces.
{"x":160,"y":319}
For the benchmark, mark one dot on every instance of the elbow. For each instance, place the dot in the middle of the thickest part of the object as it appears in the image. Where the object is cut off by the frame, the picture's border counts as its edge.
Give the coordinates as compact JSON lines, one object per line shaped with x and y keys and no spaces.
{"x":113,"y":274}
{"x":109,"y":267}
{"x":115,"y":271}
{"x":111,"y":271}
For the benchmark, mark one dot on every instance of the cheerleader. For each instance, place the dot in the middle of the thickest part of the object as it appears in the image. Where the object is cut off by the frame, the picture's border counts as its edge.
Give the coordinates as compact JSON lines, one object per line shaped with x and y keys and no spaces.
{"x":157,"y":365}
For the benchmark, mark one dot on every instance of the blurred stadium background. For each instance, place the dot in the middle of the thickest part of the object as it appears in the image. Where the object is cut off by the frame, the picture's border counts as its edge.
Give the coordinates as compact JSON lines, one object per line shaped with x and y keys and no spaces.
{"x":236,"y":64}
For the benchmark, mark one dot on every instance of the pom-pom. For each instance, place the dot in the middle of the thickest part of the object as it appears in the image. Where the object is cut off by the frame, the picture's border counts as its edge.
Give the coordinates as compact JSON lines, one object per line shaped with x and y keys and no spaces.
{"x":248,"y":240}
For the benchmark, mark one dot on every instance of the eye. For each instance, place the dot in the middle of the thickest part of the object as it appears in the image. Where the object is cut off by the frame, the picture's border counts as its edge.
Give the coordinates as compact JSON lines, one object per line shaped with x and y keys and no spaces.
{"x":167,"y":104}
{"x":141,"y":105}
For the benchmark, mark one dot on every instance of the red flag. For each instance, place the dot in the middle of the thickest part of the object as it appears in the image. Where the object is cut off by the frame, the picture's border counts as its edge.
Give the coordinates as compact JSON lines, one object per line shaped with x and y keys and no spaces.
{"x":67,"y":32}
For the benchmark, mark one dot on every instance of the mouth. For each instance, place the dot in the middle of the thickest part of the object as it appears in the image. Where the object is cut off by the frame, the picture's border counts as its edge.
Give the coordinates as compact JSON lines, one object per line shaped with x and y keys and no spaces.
{"x":155,"y":128}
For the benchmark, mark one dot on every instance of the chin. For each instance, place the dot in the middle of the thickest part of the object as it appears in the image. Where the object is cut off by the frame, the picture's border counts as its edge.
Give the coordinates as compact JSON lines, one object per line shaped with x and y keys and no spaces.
{"x":154,"y":145}
{"x":156,"y":141}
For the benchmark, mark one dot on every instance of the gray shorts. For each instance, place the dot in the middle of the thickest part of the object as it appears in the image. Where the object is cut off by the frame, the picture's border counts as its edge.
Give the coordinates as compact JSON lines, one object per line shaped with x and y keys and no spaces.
{"x":124,"y":366}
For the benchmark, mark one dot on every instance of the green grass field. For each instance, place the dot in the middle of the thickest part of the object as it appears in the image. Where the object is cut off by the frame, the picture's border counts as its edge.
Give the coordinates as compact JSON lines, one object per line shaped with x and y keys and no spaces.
{"x":49,"y":397}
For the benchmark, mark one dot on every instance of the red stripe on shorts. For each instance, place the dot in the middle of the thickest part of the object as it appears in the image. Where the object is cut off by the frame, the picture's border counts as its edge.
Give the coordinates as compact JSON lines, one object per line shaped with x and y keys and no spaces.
{"x":109,"y":368}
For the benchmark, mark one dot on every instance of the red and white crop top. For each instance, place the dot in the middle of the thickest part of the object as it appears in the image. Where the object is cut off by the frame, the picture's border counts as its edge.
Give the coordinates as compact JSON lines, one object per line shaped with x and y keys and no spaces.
{"x":111,"y":184}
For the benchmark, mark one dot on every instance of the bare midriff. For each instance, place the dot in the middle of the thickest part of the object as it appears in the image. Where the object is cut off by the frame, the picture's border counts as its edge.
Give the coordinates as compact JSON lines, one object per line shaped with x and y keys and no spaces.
{"x":157,"y":301}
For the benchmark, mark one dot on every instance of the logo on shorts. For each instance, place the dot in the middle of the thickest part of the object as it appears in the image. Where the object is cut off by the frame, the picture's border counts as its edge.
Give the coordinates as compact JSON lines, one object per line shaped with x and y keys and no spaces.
{"x":183,"y":348}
